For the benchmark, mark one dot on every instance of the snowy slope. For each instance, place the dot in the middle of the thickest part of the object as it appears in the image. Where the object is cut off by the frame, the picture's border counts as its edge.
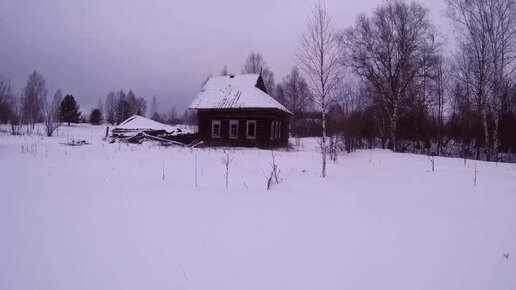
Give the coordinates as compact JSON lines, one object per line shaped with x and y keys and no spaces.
{"x":116,"y":216}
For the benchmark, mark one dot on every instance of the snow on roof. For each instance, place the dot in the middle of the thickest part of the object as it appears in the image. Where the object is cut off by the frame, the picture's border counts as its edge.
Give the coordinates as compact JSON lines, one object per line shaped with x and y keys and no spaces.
{"x":139,"y":123}
{"x":234,"y":92}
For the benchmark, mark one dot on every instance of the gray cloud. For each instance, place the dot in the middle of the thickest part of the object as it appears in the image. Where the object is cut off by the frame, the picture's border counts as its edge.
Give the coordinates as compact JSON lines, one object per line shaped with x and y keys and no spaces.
{"x":88,"y":48}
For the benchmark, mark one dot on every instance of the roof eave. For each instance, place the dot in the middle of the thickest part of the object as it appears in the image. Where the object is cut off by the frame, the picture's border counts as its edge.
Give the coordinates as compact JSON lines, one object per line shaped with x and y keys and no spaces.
{"x":246,"y":108}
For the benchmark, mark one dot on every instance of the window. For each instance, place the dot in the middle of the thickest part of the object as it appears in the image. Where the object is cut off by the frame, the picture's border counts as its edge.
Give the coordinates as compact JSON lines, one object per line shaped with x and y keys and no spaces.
{"x":275,"y":130}
{"x":233,"y":129}
{"x":251,"y":129}
{"x":215,"y":129}
{"x":273,"y":127}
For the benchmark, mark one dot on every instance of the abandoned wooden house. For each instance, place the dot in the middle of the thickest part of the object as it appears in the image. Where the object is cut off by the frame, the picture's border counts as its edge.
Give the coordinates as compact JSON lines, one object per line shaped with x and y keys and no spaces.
{"x":235,"y":110}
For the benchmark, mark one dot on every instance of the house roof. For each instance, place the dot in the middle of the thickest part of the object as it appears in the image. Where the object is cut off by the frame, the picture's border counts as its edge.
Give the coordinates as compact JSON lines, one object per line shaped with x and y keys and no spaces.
{"x":235,"y":92}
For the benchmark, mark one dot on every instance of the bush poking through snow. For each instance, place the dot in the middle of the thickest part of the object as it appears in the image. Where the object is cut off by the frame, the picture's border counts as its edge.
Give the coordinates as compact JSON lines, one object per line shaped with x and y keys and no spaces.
{"x":475,"y":175}
{"x":15,"y":117}
{"x":195,"y":169}
{"x":51,"y":114}
{"x":227,"y":160}
{"x":333,"y":147}
{"x":31,"y":148}
{"x":432,"y":162}
{"x":274,"y":176}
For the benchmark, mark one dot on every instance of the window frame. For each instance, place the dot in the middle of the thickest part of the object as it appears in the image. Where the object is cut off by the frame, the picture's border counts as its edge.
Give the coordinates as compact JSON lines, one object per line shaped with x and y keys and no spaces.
{"x":213,"y":123}
{"x":247,"y":129}
{"x":231,"y":123}
{"x":273,"y":130}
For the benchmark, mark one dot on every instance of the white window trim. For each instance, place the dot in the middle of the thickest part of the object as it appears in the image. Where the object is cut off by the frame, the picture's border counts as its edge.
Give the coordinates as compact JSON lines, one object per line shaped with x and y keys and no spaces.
{"x":231,"y":123}
{"x":213,"y":123}
{"x":279,"y":129}
{"x":247,"y":129}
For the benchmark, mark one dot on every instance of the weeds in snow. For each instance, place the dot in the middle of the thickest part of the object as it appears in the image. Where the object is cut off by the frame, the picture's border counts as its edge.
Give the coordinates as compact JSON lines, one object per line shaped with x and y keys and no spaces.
{"x":432,"y":162}
{"x":195,"y":169}
{"x":334,"y":147}
{"x":274,"y":176}
{"x":31,"y":148}
{"x":227,"y":160}
{"x":475,"y":175}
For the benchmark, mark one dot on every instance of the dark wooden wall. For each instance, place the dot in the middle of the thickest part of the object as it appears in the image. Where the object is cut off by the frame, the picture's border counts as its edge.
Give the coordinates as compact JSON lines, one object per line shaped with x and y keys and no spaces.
{"x":263,"y":118}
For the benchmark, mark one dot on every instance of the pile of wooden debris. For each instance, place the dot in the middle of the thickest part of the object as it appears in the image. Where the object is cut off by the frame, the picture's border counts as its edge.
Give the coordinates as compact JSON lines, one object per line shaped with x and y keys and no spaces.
{"x":138,"y":129}
{"x":74,"y":142}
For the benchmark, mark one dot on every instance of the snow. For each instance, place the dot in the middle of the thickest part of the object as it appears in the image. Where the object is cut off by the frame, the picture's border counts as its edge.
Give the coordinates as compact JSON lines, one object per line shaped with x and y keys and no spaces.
{"x":124,"y":216}
{"x":139,"y":123}
{"x":234,"y":92}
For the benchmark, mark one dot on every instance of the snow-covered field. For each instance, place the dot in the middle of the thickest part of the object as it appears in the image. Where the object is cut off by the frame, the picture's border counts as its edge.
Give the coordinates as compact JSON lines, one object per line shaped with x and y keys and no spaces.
{"x":117,"y":216}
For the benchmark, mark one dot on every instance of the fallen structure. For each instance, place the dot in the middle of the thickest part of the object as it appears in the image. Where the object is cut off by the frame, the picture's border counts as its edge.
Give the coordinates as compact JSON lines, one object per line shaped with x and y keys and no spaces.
{"x":74,"y":142}
{"x":137,"y":129}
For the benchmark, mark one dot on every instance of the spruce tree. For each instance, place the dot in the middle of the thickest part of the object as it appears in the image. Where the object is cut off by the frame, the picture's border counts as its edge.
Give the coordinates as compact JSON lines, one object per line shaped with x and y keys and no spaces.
{"x":96,"y":117}
{"x":69,"y":110}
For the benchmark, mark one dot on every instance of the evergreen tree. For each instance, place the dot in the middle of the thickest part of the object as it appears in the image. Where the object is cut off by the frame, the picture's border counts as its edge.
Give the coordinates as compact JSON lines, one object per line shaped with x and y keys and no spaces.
{"x":69,"y":110}
{"x":96,"y":117}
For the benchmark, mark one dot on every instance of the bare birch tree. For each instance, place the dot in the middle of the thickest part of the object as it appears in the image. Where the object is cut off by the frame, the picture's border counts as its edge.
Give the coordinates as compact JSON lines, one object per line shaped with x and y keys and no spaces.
{"x":224,"y":71}
{"x":256,"y":64}
{"x":16,"y":115}
{"x":122,"y":107}
{"x":154,"y":109}
{"x":100,"y":106}
{"x":6,"y":96}
{"x":387,"y":50}
{"x":51,"y":113}
{"x":110,"y":108}
{"x":487,"y":39}
{"x":440,"y":82}
{"x":280,"y":94}
{"x":34,"y":98}
{"x":502,"y":40}
{"x":296,"y":96}
{"x":470,"y":21}
{"x":140,"y":106}
{"x":319,"y":56}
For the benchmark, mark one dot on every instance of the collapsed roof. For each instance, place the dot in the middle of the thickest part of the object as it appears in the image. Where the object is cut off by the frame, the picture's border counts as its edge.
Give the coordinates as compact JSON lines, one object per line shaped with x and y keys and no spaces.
{"x":137,"y":124}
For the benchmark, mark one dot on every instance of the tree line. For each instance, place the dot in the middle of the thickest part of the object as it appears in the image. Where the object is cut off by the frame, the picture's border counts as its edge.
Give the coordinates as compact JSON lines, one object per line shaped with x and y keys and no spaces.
{"x":408,"y":92}
{"x":32,"y":106}
{"x":389,"y":80}
{"x":119,"y":106}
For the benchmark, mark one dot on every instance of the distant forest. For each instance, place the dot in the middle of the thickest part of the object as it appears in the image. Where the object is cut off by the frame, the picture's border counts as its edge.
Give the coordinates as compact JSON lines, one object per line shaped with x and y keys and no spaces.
{"x":388,"y":81}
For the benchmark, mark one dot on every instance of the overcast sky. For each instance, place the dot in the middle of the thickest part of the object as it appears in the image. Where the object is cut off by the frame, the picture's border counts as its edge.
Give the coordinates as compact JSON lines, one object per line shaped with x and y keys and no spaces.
{"x":167,"y":48}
